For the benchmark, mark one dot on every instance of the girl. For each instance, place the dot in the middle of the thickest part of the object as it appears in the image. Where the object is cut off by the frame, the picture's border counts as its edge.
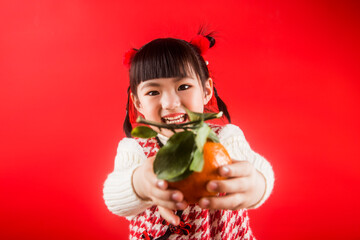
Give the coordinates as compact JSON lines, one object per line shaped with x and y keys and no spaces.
{"x":166,"y":77}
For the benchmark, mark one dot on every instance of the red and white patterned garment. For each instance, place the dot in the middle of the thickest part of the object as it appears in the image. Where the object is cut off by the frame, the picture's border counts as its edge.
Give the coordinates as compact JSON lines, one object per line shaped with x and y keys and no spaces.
{"x":205,"y":224}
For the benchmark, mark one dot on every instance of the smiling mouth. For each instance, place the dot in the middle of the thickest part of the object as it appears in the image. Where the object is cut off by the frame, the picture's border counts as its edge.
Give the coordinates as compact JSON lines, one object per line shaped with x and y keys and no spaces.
{"x":175,"y":119}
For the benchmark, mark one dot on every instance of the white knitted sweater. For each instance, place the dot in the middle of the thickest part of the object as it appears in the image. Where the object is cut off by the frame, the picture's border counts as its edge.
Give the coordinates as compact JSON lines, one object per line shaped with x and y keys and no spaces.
{"x":119,"y":194}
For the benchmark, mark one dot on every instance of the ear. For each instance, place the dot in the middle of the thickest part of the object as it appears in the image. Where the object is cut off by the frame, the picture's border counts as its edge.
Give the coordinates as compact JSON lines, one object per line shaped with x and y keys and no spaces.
{"x":208,"y":90}
{"x":136,"y":102}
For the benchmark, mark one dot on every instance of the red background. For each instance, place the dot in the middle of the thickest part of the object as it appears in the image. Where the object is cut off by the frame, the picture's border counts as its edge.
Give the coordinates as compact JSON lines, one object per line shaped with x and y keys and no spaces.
{"x":287,"y":69}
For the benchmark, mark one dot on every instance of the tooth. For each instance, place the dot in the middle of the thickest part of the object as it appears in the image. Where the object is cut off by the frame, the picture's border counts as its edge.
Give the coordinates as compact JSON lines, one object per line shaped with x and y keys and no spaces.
{"x":172,"y":120}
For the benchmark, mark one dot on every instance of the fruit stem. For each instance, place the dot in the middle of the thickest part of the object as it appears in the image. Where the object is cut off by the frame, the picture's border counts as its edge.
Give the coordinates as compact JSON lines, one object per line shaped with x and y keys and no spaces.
{"x":178,"y":126}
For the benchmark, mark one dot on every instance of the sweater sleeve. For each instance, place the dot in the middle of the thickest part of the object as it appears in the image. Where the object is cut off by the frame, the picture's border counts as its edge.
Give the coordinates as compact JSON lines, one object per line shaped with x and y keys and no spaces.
{"x":234,"y":141}
{"x":118,"y":191}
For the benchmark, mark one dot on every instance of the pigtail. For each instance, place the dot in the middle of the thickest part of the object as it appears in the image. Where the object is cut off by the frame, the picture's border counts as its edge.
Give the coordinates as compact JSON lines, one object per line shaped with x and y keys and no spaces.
{"x":203,"y":42}
{"x":203,"y":31}
{"x":219,"y":102}
{"x":222,"y":106}
{"x":211,"y":39}
{"x":127,"y":124}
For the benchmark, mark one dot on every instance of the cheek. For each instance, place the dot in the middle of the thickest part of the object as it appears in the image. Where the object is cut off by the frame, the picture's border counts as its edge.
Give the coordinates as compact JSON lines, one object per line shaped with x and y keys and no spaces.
{"x":194,"y":99}
{"x":148,"y":106}
{"x":148,"y":102}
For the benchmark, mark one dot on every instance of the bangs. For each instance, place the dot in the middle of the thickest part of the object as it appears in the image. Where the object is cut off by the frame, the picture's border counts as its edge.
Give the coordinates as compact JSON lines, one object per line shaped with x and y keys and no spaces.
{"x":164,"y":58}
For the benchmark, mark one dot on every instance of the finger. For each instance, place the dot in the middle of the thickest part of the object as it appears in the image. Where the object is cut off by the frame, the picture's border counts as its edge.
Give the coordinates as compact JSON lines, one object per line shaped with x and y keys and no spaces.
{"x":232,"y":202}
{"x":167,"y":195}
{"x":172,"y":199}
{"x":171,"y":204}
{"x":175,"y":195}
{"x":231,"y":185}
{"x":161,"y":184}
{"x":237,"y":169}
{"x":169,"y":216}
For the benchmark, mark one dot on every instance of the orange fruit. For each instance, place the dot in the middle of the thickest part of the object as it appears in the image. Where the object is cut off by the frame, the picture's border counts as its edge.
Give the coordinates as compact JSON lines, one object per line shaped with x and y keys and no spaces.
{"x":194,"y":186}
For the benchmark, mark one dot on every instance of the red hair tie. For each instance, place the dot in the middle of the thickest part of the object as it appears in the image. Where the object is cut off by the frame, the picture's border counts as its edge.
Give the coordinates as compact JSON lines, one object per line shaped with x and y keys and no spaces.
{"x":128,"y":57}
{"x":132,"y":111}
{"x":202,"y":43}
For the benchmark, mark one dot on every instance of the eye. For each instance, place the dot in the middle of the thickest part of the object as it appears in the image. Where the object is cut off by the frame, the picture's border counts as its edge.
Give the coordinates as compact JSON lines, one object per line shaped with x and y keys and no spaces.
{"x":152,"y":93}
{"x":183,"y":87}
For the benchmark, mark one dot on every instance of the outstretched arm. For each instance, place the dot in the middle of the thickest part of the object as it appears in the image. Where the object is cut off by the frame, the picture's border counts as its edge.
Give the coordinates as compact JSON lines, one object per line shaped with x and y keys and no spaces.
{"x":118,"y":192}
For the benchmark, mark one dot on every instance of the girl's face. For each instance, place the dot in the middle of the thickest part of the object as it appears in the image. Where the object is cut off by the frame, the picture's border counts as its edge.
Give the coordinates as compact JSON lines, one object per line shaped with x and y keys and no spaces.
{"x":164,"y":100}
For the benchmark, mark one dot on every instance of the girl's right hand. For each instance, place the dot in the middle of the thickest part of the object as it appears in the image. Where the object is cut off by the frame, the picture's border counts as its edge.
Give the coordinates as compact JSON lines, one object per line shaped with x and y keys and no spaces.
{"x":148,"y":187}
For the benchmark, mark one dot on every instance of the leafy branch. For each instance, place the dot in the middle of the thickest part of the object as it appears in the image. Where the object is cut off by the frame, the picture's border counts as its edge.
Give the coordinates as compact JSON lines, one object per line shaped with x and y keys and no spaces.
{"x":196,"y":119}
{"x":183,"y":152}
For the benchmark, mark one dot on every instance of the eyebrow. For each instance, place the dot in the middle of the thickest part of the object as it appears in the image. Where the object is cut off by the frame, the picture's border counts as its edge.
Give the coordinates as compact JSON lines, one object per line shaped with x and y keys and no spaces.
{"x":155,"y":84}
{"x":180,"y":78}
{"x":149,"y":84}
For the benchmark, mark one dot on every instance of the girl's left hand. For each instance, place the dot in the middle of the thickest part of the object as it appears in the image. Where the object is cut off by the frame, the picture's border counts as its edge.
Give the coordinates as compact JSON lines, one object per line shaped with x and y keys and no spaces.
{"x":244,"y":187}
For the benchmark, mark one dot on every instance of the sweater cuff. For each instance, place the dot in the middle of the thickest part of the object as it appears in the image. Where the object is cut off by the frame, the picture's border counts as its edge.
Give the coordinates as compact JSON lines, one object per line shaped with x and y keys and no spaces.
{"x":119,"y":194}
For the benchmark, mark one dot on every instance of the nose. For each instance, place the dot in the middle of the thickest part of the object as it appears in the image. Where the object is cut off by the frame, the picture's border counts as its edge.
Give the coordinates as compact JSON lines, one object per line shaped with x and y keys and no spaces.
{"x":170,"y":100}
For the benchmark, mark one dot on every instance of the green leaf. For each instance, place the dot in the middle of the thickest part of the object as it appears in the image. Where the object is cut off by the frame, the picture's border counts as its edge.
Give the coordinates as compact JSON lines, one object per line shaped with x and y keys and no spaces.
{"x":208,"y":116}
{"x":197,"y":163}
{"x":174,"y":158}
{"x":143,"y":132}
{"x":184,"y":175}
{"x":201,"y":136}
{"x":194,"y":116}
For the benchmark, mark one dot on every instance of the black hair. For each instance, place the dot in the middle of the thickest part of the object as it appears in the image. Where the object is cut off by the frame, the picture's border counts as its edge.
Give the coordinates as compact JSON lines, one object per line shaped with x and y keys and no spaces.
{"x":168,"y":58}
